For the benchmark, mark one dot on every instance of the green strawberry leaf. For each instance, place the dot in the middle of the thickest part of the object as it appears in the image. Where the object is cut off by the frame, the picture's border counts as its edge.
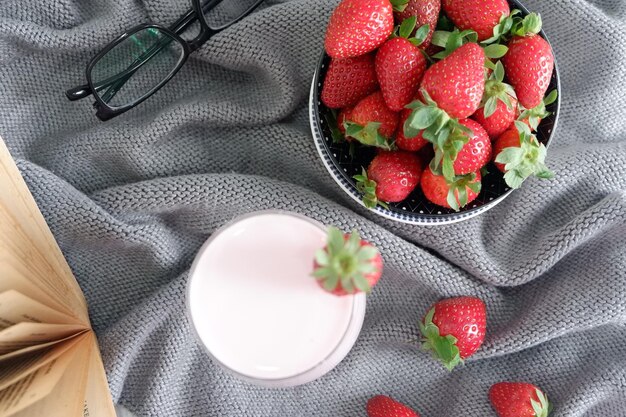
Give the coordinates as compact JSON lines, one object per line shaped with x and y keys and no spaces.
{"x":368,"y":135}
{"x":495,"y":51}
{"x":421,"y":34}
{"x":407,"y":26}
{"x":490,"y":106}
{"x":444,"y":348}
{"x":399,"y":5}
{"x":550,"y":98}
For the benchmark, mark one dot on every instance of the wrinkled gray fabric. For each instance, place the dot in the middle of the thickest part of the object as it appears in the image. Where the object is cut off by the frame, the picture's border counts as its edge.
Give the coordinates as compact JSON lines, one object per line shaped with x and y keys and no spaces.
{"x":131,"y":200}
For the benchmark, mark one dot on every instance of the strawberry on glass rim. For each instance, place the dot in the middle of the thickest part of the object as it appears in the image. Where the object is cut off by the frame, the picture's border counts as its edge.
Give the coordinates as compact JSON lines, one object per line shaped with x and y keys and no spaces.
{"x":347,"y":264}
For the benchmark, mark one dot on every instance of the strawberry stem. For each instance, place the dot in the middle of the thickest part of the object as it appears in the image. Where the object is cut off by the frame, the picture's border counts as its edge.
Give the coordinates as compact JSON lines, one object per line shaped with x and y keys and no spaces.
{"x":344,"y":262}
{"x":526,"y":160}
{"x":443,"y":348}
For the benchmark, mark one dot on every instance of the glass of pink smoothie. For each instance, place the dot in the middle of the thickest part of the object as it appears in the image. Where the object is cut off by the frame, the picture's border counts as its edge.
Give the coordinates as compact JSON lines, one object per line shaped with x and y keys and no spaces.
{"x":258,"y":311}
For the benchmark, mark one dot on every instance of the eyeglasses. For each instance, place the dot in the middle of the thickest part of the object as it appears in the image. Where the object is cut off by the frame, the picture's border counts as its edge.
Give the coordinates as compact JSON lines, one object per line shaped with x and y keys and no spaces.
{"x":141,"y":61}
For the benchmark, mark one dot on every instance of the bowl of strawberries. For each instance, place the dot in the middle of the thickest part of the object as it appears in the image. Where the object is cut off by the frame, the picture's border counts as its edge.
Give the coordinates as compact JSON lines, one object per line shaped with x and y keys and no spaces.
{"x":434,"y":111}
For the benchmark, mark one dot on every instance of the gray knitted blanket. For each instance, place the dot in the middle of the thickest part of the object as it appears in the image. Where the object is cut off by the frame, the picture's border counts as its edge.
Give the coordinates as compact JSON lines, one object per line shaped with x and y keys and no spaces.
{"x":131,"y":201}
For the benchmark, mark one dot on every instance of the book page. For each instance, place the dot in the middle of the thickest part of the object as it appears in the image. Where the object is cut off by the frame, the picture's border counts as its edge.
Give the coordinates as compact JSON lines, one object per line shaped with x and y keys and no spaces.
{"x":27,"y":221}
{"x":17,"y":308}
{"x":44,"y":392}
{"x":18,"y":249}
{"x":15,"y":277}
{"x":35,"y":348}
{"x":29,"y":334}
{"x":98,"y":401}
{"x":15,"y":369}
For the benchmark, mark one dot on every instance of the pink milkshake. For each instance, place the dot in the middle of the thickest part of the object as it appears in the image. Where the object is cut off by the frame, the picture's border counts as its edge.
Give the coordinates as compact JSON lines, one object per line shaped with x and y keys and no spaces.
{"x":256,"y":308}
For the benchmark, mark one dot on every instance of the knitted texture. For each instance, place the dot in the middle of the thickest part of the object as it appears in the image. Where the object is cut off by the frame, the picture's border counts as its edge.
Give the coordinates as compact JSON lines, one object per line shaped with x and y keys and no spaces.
{"x":131,"y":201}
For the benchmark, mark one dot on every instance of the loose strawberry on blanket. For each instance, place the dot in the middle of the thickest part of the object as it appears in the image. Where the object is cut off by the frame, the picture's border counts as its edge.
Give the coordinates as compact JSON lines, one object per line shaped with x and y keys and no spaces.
{"x":498,"y":106}
{"x":347,"y":264}
{"x":425,"y":11}
{"x":519,"y":399}
{"x":456,"y":83}
{"x":529,"y":62}
{"x":357,"y":27}
{"x":478,"y":15}
{"x":371,"y":122}
{"x":519,"y":155}
{"x":412,"y":143}
{"x":348,"y":81}
{"x":383,"y":406}
{"x":454,"y":194}
{"x":400,"y":65}
{"x":454,"y":329}
{"x":390,"y":177}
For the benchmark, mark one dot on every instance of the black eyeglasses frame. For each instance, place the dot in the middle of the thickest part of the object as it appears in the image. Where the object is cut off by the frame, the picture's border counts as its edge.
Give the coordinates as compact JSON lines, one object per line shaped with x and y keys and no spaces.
{"x":106,"y":112}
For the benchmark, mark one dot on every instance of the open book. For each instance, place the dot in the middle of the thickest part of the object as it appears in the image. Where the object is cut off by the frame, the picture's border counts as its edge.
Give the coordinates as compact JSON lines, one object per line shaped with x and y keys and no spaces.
{"x":50,"y":365}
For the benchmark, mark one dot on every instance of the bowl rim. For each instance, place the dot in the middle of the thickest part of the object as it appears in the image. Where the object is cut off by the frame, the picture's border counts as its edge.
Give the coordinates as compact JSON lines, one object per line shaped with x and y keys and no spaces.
{"x":342,"y":179}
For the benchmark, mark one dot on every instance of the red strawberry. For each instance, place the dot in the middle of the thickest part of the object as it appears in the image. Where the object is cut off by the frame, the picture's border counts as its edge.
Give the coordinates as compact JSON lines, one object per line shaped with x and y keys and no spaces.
{"x":347,"y":264}
{"x":414,"y":143}
{"x":390,"y":177}
{"x":383,"y":406}
{"x":509,"y":139}
{"x":371,"y":122}
{"x":532,"y":117}
{"x":478,"y":15}
{"x":400,"y":66}
{"x":476,"y":153}
{"x":344,"y":114}
{"x":453,"y":194}
{"x":498,"y":106}
{"x":349,"y":80}
{"x":456,"y":83}
{"x":454,"y":329}
{"x":426,"y":12}
{"x":529,"y":63}
{"x":519,"y":399}
{"x":519,"y":155}
{"x":464,"y":150}
{"x":500,"y":119}
{"x":357,"y":27}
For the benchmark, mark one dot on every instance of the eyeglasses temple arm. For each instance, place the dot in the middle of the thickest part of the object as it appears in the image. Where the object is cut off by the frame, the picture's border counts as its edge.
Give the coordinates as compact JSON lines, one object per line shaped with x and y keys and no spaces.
{"x":79,"y":92}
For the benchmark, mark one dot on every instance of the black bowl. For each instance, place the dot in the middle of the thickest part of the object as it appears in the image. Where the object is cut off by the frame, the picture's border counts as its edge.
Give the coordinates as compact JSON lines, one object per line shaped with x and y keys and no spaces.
{"x":415,"y":208}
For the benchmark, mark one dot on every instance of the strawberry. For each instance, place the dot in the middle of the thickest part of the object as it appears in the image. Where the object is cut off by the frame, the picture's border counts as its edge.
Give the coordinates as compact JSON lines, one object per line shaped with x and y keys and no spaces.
{"x":456,"y":83}
{"x":348,"y":81}
{"x":383,"y":406}
{"x":529,"y":62}
{"x":344,"y":114}
{"x":400,"y":66}
{"x":454,"y":194}
{"x":478,"y":15}
{"x":454,"y":329}
{"x":519,"y":399}
{"x":466,"y":149}
{"x":357,"y":27}
{"x":426,"y":12}
{"x":347,"y":264}
{"x":413,"y":143}
{"x":519,"y":155}
{"x":532,"y":117}
{"x":498,"y":106}
{"x":390,"y":177}
{"x":371,"y":122}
